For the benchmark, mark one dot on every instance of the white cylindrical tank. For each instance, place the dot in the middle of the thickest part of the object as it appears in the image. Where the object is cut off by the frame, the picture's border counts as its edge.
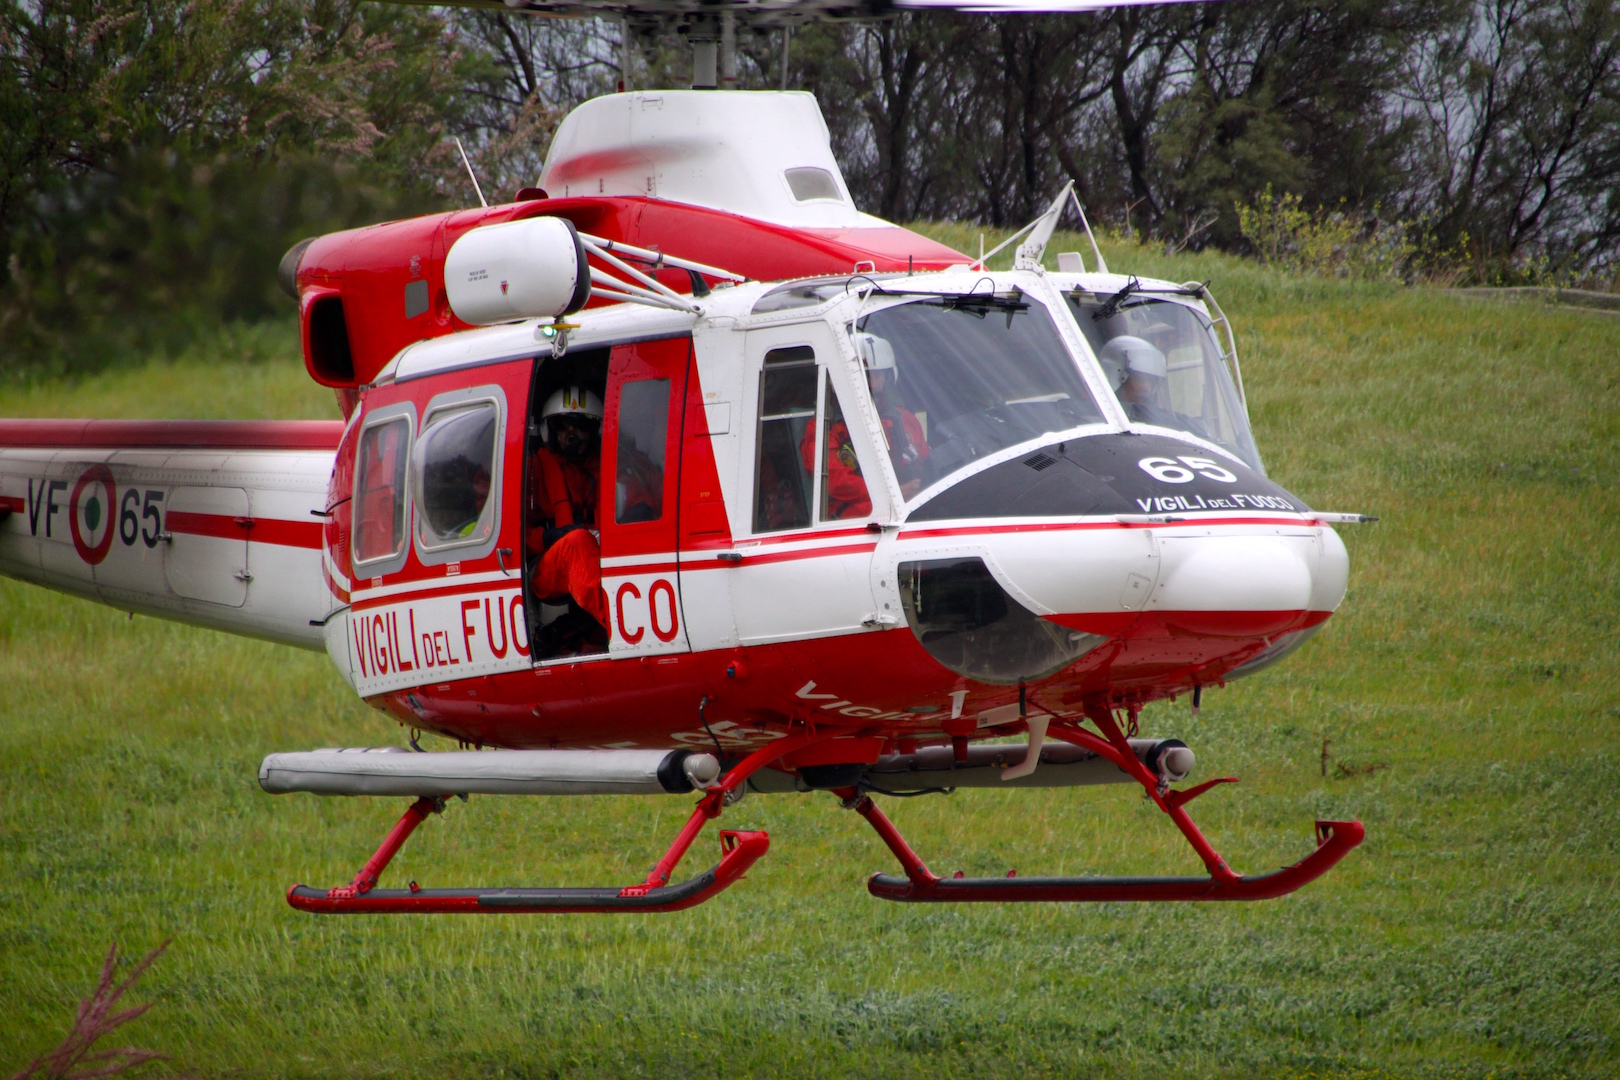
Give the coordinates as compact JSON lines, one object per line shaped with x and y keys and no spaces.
{"x":527,"y":269}
{"x":393,"y":770}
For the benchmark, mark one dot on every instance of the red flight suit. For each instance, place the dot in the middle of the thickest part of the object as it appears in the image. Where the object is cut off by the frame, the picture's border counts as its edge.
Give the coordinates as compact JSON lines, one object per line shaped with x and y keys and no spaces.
{"x":561,"y":493}
{"x":847,"y":496}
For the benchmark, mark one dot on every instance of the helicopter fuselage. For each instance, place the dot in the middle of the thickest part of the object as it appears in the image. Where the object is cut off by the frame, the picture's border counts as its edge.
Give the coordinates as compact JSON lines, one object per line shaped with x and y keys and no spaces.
{"x":1108,"y":559}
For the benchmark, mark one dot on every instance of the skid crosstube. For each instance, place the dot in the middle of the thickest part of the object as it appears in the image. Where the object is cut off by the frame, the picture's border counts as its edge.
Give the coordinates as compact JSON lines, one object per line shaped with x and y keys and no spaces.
{"x":740,"y":851}
{"x":1335,"y":840}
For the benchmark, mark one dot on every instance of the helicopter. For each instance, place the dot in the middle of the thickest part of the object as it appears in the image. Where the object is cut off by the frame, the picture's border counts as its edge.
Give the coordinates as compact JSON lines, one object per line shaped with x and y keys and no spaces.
{"x":678,"y":474}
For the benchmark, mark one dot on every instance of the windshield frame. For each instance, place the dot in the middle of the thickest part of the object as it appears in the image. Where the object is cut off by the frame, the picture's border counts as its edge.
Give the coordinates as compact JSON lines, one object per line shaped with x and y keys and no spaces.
{"x":1158,"y":292}
{"x":852,"y":375}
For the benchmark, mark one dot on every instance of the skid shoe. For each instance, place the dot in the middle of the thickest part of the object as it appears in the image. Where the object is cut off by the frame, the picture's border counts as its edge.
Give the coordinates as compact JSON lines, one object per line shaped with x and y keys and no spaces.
{"x":738,"y":851}
{"x":1334,"y":840}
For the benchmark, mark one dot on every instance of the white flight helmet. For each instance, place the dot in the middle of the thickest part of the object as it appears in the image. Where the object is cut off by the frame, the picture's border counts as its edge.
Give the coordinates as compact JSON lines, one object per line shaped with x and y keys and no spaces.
{"x":876,"y":354}
{"x":1125,"y":356}
{"x":571,"y":401}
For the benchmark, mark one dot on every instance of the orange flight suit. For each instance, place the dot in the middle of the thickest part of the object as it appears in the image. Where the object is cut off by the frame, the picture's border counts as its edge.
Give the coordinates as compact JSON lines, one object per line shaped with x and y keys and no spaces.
{"x":563,"y":493}
{"x":846,"y":493}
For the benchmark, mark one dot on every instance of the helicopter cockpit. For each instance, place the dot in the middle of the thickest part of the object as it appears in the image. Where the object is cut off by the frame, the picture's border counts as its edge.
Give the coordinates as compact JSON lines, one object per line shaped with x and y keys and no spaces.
{"x":979,"y":373}
{"x":1164,"y":363}
{"x":958,"y":377}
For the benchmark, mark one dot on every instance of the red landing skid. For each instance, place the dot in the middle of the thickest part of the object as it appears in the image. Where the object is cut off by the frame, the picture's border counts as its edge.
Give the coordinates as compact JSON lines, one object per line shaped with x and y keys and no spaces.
{"x":1334,"y":840}
{"x":739,"y":851}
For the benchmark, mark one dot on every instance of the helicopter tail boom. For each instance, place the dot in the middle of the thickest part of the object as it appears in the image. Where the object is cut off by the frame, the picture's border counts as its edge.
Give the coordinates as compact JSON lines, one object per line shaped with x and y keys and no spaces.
{"x":215,"y":523}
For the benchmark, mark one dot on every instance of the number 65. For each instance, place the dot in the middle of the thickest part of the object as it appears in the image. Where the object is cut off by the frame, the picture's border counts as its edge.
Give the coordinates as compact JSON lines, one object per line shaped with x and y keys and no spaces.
{"x":1167,"y":470}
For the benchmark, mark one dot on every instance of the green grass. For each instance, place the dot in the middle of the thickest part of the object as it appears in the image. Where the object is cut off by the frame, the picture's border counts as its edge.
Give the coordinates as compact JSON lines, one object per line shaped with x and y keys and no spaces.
{"x":1476,"y":933}
{"x":239,"y":371}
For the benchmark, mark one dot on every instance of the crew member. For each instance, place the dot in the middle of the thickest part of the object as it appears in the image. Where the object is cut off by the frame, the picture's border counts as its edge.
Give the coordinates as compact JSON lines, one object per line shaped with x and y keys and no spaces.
{"x":1141,"y":377}
{"x":846,"y":495}
{"x":563,"y":497}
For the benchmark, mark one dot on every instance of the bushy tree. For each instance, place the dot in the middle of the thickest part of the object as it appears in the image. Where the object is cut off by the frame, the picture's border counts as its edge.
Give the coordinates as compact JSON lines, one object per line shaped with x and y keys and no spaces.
{"x":161,"y":154}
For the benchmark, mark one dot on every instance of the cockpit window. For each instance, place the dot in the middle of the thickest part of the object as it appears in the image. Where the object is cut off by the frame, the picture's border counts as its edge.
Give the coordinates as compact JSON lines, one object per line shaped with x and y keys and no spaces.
{"x":811,"y":184}
{"x":1165,"y":366}
{"x":958,"y":378}
{"x":454,"y":467}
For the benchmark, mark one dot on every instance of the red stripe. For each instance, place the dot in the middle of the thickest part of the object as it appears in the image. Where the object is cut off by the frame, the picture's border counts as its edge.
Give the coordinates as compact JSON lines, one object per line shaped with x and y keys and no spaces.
{"x":179,"y":434}
{"x":751,"y":559}
{"x":451,"y":586}
{"x":334,"y":586}
{"x":1194,"y":624}
{"x":221,"y":525}
{"x":301,"y":534}
{"x":819,"y":534}
{"x":1075,"y":526}
{"x":12,"y":503}
{"x":643,"y":568}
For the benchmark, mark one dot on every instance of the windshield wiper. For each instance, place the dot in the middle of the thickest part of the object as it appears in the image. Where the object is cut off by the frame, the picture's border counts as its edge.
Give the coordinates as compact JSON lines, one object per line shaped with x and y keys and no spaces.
{"x":1110,"y":307}
{"x":980,"y":306}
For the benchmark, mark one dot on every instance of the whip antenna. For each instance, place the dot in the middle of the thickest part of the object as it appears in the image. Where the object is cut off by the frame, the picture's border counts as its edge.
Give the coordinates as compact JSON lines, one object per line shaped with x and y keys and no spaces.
{"x":471,"y":175}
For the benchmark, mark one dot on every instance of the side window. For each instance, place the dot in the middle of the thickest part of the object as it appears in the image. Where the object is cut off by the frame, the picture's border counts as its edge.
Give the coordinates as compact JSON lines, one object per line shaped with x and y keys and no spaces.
{"x":638,"y":487}
{"x":787,"y":406}
{"x":454,"y":472}
{"x":379,"y":492}
{"x":843,"y":488}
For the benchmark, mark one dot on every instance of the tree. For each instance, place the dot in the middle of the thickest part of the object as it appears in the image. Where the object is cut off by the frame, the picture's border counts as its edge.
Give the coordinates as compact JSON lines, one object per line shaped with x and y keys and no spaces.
{"x":161,"y":154}
{"x":1519,"y":148}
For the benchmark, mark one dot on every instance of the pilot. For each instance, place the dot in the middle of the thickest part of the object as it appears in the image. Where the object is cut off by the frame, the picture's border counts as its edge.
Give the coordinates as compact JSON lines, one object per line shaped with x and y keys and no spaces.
{"x":847,"y":496}
{"x":1141,"y":378}
{"x":561,"y":519}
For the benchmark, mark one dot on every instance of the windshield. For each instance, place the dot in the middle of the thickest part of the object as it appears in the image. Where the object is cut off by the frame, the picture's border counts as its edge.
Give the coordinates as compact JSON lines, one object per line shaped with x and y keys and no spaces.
{"x":957,"y":378}
{"x":1165,"y":366}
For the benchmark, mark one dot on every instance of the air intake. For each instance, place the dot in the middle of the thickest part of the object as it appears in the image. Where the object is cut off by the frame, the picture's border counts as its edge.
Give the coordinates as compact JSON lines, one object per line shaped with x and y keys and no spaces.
{"x":969,"y":623}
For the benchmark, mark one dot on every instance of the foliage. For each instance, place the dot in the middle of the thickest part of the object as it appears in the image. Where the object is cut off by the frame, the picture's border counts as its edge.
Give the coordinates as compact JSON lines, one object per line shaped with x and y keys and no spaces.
{"x":1517,"y":155}
{"x":1285,"y":234}
{"x":1494,"y":120}
{"x":161,"y":154}
{"x":1475,"y":934}
{"x":76,"y":1058}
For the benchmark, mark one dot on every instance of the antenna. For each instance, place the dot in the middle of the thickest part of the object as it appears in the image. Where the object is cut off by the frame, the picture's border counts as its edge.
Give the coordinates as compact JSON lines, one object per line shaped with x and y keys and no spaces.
{"x":1028,"y":256}
{"x":471,"y":175}
{"x":1102,"y":266}
{"x":1029,"y":253}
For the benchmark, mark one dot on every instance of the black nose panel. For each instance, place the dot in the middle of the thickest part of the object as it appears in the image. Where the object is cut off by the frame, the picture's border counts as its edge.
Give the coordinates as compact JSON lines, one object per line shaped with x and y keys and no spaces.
{"x":1109,"y":474}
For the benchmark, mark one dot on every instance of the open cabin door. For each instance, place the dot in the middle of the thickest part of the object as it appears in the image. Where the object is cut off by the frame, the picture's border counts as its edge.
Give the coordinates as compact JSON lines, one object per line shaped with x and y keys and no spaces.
{"x":641,"y":440}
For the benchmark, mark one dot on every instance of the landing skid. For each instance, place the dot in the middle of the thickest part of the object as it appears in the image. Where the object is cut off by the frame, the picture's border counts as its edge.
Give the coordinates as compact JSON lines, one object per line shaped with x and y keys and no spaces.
{"x":739,"y":851}
{"x":1334,"y":840}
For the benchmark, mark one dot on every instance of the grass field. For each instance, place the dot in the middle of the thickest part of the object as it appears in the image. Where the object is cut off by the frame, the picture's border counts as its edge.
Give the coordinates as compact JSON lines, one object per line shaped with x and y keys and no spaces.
{"x":1476,"y":933}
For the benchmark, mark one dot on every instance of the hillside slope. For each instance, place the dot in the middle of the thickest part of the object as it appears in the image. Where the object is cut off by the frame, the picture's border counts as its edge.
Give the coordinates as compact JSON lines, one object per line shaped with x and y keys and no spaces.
{"x":1468,"y":693}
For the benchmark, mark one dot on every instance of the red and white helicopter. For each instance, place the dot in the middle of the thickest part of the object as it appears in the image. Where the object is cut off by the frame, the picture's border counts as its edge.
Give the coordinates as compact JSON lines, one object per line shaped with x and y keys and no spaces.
{"x":690,"y":477}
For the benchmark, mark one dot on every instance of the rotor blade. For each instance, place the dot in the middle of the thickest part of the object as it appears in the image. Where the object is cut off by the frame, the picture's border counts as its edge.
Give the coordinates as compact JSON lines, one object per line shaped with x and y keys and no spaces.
{"x":785,"y":12}
{"x":1014,"y":7}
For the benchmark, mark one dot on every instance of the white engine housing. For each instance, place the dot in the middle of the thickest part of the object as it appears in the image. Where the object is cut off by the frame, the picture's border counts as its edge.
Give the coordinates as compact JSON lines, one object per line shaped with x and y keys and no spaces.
{"x":527,"y":269}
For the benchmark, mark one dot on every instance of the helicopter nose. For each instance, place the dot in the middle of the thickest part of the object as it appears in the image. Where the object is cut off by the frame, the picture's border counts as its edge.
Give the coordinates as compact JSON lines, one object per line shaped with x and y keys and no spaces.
{"x":1234,"y":584}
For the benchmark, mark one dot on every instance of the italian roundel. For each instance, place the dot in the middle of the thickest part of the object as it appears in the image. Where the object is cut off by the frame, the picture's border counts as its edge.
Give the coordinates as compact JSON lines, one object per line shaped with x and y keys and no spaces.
{"x":90,"y":510}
